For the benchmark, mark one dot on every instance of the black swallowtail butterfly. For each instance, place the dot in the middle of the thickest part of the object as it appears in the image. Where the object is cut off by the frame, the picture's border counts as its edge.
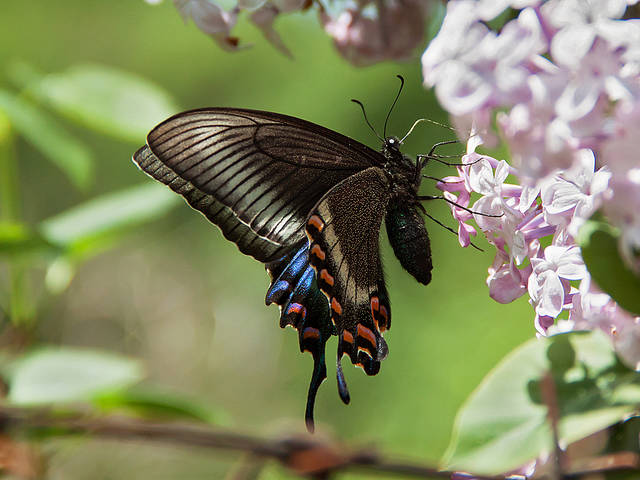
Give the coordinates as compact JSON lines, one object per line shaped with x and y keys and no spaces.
{"x":307,"y":202}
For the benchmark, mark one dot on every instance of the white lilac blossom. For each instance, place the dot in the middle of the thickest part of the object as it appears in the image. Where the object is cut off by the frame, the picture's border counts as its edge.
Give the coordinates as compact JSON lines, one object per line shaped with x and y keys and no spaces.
{"x":559,"y":84}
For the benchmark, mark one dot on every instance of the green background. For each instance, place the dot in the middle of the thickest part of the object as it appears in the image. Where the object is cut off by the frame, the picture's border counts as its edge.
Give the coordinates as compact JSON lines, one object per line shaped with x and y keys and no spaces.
{"x":184,"y":300}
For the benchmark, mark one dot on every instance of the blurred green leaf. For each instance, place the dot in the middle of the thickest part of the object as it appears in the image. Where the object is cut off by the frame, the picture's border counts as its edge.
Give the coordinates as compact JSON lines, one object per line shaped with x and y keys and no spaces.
{"x":53,"y":141}
{"x":16,"y":239}
{"x":107,"y":100}
{"x":67,"y":375}
{"x":87,"y":228}
{"x":154,"y":404}
{"x":599,"y":244}
{"x":503,"y":423}
{"x":22,"y":74}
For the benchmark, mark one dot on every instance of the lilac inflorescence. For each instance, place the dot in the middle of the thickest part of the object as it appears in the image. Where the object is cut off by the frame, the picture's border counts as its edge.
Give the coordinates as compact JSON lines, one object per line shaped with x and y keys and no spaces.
{"x":560,"y":85}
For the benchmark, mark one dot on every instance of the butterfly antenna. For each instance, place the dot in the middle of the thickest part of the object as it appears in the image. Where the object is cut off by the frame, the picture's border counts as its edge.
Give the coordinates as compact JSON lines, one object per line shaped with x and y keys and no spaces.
{"x":442,"y":197}
{"x":442,"y":125}
{"x":384,"y":130}
{"x":412,"y":127}
{"x":364,"y":113}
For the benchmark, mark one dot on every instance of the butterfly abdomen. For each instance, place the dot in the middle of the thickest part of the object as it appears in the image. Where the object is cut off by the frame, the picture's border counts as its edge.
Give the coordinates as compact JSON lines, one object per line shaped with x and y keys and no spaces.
{"x":409,"y":240}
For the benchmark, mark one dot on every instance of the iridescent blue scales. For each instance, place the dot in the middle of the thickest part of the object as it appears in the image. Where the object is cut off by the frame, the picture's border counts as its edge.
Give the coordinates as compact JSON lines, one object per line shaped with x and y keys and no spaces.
{"x":307,"y":202}
{"x":304,"y":307}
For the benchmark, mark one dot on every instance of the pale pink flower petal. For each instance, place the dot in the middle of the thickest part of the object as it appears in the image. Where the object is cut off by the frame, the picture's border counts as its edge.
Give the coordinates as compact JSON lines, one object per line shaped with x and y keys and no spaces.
{"x":505,"y":281}
{"x":263,"y":18}
{"x":250,"y":4}
{"x":211,"y":19}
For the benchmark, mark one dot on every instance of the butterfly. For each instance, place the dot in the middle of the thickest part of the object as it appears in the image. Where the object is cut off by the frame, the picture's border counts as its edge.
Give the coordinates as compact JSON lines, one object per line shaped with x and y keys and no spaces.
{"x":308,"y":203}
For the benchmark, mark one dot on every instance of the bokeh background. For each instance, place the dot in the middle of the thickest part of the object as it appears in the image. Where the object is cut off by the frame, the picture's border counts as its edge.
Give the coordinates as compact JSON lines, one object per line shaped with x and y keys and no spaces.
{"x":178,"y":296}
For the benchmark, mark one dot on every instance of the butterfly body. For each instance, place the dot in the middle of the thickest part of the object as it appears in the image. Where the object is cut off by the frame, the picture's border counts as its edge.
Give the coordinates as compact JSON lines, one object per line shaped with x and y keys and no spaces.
{"x":308,"y":202}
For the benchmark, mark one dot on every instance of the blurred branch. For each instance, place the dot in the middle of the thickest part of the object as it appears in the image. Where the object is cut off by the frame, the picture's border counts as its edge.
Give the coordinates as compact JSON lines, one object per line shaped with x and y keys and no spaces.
{"x":303,"y":454}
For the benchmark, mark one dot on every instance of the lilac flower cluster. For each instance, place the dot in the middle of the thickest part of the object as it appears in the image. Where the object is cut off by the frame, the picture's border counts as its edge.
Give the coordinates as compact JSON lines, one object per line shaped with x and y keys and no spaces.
{"x":364,"y":31}
{"x":560,"y":86}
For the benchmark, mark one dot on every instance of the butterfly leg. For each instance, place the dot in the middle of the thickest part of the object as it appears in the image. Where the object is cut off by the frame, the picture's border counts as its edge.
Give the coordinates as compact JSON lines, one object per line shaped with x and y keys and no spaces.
{"x":440,"y":197}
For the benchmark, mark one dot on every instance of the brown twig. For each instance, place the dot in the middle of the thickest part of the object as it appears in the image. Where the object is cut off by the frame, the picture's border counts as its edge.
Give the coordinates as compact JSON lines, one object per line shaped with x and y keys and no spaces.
{"x":303,"y":454}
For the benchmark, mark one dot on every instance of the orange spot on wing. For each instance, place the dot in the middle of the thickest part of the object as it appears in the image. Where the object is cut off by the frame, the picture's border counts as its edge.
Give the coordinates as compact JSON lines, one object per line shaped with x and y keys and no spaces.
{"x":324,"y":275}
{"x":316,"y":221}
{"x":367,"y":334}
{"x":310,"y":332}
{"x":335,"y":306}
{"x":318,"y":252}
{"x":385,"y":314}
{"x":347,"y":337}
{"x":295,"y":308}
{"x":375,"y":304}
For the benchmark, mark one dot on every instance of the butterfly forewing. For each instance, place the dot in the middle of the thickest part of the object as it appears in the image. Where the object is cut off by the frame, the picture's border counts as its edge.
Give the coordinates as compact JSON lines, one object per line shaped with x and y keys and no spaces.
{"x":344,"y":233}
{"x":223,"y":216}
{"x":258,"y":173}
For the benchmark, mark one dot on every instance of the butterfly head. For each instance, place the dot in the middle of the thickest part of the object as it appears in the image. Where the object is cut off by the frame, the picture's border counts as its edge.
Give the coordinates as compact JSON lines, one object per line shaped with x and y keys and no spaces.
{"x":397,"y":164}
{"x":391,"y":148}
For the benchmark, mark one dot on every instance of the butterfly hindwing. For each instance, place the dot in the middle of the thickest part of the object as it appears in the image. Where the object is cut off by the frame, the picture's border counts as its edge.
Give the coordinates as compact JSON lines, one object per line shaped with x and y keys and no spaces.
{"x":304,"y":307}
{"x":344,"y":229}
{"x":254,"y":174}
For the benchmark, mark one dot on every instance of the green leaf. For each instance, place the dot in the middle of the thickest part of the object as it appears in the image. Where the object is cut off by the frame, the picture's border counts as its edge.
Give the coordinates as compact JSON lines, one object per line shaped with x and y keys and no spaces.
{"x":154,"y":404}
{"x":90,"y":227}
{"x":54,"y":142}
{"x":503,"y":424}
{"x":64,"y":375}
{"x":17,"y":240}
{"x":599,"y":244}
{"x":107,"y":100}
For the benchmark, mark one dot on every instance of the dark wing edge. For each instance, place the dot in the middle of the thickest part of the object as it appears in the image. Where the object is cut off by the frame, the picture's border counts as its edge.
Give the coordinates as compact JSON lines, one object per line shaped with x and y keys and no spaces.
{"x":344,"y":230}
